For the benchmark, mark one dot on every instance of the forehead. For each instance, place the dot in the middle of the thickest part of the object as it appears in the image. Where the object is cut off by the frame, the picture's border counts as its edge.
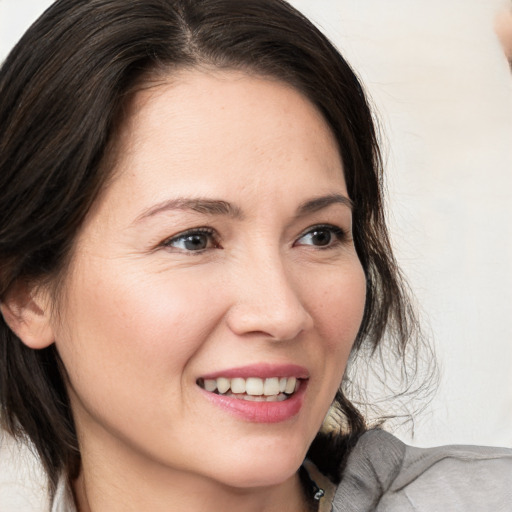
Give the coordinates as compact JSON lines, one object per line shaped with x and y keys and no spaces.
{"x":210,"y":129}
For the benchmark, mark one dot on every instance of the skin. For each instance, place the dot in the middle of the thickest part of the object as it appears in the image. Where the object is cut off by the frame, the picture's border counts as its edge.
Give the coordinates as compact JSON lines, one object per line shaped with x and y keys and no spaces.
{"x":144,"y":317}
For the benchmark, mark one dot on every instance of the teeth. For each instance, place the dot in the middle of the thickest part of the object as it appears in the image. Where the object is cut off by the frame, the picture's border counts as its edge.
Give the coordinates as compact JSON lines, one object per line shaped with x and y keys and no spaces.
{"x":254,"y":386}
{"x":223,"y":384}
{"x":290,"y":385}
{"x":270,"y":389}
{"x":261,"y":398}
{"x":238,"y":385}
{"x":271,"y":386}
{"x":210,"y":385}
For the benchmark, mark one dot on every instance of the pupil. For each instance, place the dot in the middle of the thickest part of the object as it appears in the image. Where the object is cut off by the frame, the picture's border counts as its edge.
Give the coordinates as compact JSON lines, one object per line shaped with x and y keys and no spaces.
{"x":195,"y":242}
{"x":321,"y":237}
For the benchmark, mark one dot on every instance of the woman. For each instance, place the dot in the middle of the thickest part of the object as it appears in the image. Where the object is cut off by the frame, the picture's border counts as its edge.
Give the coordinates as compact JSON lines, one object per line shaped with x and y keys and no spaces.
{"x":192,"y":246}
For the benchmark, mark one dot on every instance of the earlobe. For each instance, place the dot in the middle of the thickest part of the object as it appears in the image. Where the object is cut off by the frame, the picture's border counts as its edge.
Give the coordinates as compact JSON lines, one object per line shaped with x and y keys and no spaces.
{"x":27,"y":313}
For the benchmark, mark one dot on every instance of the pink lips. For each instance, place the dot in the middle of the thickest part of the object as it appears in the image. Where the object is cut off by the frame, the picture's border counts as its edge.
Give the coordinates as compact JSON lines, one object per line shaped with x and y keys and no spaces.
{"x":262,"y":370}
{"x":261,"y":412}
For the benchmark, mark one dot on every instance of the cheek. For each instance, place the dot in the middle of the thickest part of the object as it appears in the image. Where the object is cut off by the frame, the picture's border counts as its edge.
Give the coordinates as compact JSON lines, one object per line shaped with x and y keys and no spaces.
{"x":120,"y":326}
{"x":339,"y":308}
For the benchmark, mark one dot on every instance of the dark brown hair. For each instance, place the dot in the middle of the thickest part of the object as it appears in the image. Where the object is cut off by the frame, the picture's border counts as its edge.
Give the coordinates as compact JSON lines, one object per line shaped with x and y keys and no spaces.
{"x":62,"y":90}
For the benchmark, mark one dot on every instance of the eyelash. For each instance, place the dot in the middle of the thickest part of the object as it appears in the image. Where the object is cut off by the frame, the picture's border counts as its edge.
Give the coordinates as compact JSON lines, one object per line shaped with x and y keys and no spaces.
{"x":209,"y":232}
{"x":339,"y":236}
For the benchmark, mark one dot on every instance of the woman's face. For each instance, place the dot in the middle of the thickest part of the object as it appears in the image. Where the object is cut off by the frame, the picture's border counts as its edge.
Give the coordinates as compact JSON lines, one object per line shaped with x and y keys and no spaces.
{"x":220,"y":255}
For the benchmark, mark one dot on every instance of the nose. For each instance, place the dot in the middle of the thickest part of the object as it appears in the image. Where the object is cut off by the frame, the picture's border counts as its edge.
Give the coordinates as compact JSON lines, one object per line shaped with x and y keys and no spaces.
{"x":267,"y":301}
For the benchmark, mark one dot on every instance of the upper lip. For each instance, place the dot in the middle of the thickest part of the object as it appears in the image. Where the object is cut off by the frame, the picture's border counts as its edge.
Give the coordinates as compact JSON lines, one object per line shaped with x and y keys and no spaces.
{"x":262,"y":370}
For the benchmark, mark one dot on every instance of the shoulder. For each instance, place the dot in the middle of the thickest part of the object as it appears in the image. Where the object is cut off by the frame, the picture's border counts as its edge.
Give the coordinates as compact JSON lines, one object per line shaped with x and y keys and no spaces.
{"x":383,"y":475}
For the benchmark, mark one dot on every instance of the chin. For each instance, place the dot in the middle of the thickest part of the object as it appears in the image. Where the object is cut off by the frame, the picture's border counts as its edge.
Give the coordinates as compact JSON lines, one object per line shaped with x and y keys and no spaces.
{"x":261,"y":465}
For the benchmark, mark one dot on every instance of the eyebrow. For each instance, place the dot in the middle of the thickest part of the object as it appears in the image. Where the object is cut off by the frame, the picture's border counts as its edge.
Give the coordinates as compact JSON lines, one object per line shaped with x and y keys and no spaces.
{"x":319,"y":203}
{"x":200,"y":205}
{"x":219,"y":207}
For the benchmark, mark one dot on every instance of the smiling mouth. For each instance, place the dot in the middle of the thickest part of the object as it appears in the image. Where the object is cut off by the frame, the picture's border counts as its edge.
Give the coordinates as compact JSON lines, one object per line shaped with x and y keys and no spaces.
{"x":254,"y":389}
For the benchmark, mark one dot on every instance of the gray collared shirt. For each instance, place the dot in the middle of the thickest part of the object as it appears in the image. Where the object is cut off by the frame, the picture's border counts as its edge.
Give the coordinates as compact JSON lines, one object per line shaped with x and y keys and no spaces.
{"x":383,"y":475}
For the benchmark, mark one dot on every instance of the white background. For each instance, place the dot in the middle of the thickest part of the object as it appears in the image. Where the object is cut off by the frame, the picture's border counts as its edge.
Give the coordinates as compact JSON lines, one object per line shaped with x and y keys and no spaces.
{"x":443,"y":91}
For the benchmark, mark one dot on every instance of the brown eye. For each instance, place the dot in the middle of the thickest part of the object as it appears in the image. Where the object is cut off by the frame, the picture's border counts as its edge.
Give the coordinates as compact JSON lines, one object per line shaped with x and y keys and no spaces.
{"x":193,"y":241}
{"x":322,"y":236}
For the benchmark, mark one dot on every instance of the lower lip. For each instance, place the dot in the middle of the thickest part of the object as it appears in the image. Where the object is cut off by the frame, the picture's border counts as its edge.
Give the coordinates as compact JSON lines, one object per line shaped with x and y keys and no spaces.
{"x":261,"y":412}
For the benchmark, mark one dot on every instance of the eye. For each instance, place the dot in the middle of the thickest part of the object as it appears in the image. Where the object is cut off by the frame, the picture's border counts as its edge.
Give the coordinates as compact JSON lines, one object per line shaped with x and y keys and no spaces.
{"x":323,"y":236}
{"x":193,"y":240}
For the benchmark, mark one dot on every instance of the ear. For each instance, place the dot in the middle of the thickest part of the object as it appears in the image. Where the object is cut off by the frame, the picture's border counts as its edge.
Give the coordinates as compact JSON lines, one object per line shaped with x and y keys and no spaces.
{"x":26,"y":311}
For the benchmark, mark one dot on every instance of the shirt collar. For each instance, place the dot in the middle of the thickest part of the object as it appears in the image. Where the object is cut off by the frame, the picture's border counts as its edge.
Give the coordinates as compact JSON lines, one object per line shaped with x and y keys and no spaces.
{"x":63,"y":500}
